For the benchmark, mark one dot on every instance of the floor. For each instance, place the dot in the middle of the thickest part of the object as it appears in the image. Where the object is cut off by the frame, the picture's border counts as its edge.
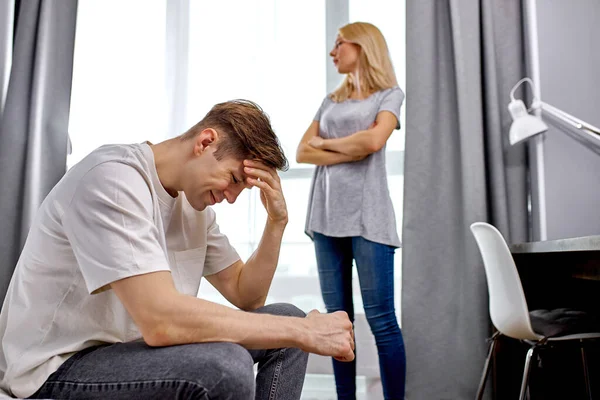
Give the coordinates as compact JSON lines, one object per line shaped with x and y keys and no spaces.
{"x":322,"y":387}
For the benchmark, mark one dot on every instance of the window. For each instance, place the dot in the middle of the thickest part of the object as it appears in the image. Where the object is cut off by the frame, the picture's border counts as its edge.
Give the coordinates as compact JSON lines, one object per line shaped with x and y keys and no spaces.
{"x":264,"y":53}
{"x":118,"y":93}
{"x":151,"y":77}
{"x":388,"y":16}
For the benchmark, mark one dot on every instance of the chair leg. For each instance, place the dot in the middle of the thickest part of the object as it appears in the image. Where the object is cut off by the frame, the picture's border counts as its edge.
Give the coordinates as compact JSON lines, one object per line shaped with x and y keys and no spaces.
{"x":588,"y":389}
{"x":486,"y":367}
{"x":526,"y":371}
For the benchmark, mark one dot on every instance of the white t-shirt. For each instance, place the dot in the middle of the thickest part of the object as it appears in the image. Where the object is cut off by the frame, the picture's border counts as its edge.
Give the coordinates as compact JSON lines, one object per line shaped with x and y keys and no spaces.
{"x":108,"y":218}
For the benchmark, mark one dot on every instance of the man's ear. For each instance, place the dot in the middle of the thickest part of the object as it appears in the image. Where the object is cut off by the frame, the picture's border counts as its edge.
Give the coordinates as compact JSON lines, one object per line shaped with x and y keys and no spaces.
{"x":208,"y":137}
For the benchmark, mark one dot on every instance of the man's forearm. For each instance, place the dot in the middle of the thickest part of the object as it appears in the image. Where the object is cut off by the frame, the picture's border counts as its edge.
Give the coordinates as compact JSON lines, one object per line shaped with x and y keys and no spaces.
{"x":310,"y":155}
{"x":257,"y":274}
{"x":166,"y":317}
{"x":186,"y":319}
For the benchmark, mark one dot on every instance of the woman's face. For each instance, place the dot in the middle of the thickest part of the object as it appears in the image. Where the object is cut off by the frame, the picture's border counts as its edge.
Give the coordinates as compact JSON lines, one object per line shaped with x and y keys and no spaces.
{"x":345,"y":55}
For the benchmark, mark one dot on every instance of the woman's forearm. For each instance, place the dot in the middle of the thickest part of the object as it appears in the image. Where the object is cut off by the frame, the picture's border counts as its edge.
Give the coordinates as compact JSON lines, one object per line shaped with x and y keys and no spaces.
{"x":309,"y":155}
{"x":359,"y":144}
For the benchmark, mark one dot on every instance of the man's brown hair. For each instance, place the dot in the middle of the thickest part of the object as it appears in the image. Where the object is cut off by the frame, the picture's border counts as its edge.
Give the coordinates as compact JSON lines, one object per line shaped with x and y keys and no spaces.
{"x":245,"y":132}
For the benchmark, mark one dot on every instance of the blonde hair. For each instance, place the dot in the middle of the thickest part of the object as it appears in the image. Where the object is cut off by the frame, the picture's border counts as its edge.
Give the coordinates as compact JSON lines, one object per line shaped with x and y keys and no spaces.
{"x":375,"y":69}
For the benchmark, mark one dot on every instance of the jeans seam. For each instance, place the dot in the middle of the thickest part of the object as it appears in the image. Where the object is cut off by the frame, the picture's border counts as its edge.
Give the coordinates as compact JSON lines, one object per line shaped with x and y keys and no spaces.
{"x":276,"y":374}
{"x":127,"y":384}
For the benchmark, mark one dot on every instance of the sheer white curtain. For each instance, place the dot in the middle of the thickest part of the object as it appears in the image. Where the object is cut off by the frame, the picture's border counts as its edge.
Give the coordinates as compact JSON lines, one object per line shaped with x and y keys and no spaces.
{"x":118,"y":93}
{"x":7,"y":15}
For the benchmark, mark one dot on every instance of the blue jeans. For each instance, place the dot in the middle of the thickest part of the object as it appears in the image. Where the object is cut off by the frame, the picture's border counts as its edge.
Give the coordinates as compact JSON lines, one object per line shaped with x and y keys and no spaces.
{"x":375,"y":265}
{"x":135,"y":371}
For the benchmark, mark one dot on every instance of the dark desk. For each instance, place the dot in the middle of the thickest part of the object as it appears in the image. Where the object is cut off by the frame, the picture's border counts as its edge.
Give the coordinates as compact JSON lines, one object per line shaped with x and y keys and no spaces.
{"x":580,"y":256}
{"x":586,"y":243}
{"x":554,"y":274}
{"x":560,"y":273}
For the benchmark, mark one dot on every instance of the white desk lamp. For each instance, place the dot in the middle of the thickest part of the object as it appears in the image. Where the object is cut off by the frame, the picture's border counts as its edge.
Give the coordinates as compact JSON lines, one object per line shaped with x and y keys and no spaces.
{"x":526,"y":125}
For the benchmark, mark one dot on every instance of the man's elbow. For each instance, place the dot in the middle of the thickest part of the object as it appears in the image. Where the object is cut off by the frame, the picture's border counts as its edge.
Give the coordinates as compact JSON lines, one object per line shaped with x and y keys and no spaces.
{"x":157,"y":327}
{"x":158,"y":335}
{"x":253,"y":305}
{"x":155,"y":340}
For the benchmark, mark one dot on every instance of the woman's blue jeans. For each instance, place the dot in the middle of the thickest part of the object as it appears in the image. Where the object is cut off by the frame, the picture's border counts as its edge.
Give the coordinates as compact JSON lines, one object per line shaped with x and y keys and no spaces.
{"x":375,"y":265}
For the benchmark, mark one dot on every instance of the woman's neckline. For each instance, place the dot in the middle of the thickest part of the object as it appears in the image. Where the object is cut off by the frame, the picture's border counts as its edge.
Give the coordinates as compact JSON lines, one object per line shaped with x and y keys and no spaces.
{"x":362,"y":99}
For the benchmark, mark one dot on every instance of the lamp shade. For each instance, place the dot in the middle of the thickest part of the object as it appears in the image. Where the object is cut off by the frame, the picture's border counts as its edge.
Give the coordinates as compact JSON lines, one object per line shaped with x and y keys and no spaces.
{"x":524,"y":125}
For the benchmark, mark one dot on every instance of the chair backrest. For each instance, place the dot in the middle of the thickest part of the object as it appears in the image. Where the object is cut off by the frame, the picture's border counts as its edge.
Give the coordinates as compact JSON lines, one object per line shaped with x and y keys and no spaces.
{"x":508,"y":307}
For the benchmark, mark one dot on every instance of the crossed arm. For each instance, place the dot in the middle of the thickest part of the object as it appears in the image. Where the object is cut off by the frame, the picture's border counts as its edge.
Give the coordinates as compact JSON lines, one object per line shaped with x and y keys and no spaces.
{"x":309,"y":154}
{"x":316,"y":150}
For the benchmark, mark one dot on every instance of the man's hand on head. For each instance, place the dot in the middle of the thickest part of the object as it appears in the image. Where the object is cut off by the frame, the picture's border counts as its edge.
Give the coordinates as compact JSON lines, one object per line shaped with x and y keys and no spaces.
{"x":269,"y":183}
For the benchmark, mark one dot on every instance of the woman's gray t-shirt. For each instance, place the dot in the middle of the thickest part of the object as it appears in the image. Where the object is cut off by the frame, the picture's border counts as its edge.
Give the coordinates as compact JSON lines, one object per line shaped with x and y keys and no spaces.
{"x":352,"y":199}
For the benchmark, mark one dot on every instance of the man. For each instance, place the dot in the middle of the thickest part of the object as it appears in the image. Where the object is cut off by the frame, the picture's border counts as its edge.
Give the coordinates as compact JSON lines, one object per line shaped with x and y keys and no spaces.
{"x":103,"y":301}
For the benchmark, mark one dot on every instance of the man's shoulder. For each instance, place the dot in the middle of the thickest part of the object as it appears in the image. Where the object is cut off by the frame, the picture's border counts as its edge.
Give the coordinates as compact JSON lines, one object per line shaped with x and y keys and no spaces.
{"x":127,"y":160}
{"x":128,"y":154}
{"x":109,"y":172}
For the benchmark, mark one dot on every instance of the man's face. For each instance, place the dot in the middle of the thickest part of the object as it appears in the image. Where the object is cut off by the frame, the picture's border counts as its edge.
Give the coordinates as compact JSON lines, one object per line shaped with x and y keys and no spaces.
{"x":207,"y":181}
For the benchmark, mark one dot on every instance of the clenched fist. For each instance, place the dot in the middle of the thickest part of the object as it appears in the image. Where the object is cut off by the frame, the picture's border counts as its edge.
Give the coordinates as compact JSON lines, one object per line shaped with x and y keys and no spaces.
{"x":330,"y":335}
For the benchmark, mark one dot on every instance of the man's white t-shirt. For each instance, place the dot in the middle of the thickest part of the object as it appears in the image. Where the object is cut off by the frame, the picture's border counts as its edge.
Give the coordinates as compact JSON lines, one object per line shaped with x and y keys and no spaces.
{"x":108,"y":218}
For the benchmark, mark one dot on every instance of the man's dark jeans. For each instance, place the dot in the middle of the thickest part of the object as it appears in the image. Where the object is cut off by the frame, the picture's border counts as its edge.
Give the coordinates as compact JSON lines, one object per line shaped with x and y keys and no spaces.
{"x":195,"y":371}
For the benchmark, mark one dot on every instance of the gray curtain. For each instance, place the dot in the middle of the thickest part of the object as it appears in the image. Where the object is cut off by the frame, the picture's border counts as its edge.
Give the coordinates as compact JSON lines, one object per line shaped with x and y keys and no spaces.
{"x":34,"y":122}
{"x":7,"y":15}
{"x":463,"y":57}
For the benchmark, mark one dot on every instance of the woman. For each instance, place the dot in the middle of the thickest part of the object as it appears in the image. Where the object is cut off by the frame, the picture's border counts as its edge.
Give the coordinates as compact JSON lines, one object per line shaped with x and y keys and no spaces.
{"x":350,"y":213}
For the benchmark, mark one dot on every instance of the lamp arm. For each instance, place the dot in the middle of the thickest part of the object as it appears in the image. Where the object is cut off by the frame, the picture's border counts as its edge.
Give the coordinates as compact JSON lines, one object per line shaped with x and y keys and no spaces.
{"x":586,"y":134}
{"x":568,"y":118}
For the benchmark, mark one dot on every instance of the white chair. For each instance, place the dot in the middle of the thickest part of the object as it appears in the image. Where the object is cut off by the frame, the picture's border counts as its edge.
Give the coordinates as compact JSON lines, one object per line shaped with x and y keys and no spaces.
{"x":509,"y":312}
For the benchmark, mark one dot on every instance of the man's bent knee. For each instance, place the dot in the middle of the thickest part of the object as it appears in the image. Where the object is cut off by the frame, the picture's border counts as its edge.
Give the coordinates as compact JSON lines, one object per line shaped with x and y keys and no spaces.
{"x":231,"y":366}
{"x":282,"y":309}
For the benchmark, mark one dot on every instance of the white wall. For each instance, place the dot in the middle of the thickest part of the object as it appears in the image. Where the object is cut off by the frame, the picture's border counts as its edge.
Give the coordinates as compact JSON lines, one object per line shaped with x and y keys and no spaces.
{"x":569,"y":50}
